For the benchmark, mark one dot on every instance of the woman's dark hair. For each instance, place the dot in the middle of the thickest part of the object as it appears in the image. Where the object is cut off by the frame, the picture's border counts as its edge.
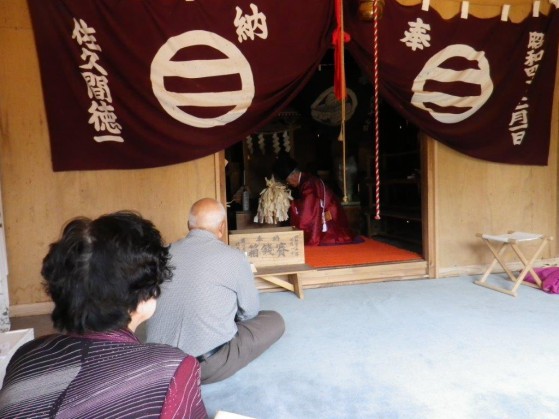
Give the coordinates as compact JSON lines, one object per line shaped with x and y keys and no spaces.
{"x":100,"y":270}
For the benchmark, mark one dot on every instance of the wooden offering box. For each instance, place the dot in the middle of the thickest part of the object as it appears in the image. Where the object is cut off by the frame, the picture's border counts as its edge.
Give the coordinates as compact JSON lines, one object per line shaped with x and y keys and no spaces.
{"x":270,"y":246}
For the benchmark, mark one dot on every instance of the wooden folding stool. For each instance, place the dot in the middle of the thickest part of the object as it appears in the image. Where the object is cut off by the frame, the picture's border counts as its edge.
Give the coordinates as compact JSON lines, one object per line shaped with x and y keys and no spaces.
{"x":498,"y":244}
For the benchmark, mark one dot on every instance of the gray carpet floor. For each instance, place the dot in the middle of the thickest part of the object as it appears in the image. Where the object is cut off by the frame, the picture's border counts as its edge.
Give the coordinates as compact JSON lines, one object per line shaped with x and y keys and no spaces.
{"x":425,"y":349}
{"x":442,"y":348}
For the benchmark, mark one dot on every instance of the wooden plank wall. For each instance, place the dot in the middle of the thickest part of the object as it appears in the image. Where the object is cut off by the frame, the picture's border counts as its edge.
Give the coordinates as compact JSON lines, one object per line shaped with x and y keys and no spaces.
{"x":465,"y":196}
{"x":37,"y":202}
{"x":468,"y":196}
{"x":480,"y":197}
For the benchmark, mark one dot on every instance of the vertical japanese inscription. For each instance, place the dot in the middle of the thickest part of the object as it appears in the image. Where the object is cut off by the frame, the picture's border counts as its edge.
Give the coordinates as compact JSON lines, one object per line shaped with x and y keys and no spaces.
{"x":101,"y":110}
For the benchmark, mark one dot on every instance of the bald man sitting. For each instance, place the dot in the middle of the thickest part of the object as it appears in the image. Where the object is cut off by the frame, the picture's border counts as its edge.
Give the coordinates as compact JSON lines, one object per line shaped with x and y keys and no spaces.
{"x":211,"y":308}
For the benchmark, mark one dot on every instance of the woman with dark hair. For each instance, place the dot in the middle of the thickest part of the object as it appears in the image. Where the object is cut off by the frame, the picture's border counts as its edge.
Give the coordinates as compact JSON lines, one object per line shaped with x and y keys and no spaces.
{"x":103,"y":276}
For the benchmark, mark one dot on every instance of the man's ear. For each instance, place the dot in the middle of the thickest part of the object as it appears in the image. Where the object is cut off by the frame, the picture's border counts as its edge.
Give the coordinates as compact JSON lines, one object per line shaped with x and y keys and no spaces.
{"x":221,"y":230}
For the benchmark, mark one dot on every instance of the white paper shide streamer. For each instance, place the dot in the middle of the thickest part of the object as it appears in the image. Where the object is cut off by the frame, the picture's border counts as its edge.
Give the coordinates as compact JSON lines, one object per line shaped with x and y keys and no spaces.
{"x":274,"y":202}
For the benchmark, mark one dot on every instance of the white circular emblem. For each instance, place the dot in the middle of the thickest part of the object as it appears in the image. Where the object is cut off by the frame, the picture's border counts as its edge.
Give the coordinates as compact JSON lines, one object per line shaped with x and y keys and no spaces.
{"x":327,"y":109}
{"x":235,"y":63}
{"x":444,"y":103}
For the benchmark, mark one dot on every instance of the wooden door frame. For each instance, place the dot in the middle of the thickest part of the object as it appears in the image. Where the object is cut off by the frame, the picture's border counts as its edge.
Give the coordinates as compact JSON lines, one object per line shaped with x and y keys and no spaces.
{"x":4,"y":291}
{"x":428,"y":193}
{"x":428,"y":201}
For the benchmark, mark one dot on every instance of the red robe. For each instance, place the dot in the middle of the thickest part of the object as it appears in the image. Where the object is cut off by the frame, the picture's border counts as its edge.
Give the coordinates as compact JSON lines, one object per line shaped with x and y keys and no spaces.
{"x":306,"y":213}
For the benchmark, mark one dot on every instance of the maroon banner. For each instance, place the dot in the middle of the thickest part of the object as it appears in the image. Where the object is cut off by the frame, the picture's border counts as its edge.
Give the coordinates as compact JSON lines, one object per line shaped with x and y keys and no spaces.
{"x":145,"y":83}
{"x":481,"y":86}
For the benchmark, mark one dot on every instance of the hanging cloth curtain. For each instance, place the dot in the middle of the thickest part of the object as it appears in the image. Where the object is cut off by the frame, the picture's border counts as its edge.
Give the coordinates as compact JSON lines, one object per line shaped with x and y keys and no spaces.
{"x":206,"y":74}
{"x":480,"y":85}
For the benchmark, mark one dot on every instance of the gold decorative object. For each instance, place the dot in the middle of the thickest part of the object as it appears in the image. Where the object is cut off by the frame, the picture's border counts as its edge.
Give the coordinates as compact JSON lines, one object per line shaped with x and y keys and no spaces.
{"x":367,"y":9}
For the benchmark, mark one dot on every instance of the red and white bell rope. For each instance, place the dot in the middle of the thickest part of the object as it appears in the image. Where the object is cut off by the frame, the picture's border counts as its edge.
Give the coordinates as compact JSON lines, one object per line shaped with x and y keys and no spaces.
{"x":377,"y":12}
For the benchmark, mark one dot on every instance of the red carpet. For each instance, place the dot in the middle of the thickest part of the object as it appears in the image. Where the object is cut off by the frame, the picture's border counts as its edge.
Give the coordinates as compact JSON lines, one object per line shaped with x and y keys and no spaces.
{"x":366,"y":253}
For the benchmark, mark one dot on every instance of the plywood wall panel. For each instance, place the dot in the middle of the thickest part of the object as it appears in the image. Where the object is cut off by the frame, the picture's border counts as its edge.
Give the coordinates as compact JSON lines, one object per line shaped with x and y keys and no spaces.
{"x":475,"y":196}
{"x":467,"y":195}
{"x":37,"y":201}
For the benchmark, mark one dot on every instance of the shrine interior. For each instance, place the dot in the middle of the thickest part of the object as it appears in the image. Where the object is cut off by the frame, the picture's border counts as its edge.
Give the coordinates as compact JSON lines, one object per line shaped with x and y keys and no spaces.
{"x":309,"y":130}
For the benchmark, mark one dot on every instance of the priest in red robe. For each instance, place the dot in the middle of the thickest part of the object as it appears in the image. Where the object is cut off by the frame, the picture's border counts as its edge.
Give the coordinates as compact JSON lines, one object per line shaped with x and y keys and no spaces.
{"x":317,"y":211}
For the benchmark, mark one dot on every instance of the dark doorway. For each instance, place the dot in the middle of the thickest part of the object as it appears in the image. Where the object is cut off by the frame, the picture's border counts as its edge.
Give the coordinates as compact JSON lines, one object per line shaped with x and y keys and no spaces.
{"x":309,"y":130}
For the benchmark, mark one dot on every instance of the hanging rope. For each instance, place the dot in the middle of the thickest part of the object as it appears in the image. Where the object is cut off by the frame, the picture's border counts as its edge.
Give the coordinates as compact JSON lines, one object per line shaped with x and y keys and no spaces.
{"x":343,"y":102}
{"x":339,"y":38}
{"x":377,"y":10}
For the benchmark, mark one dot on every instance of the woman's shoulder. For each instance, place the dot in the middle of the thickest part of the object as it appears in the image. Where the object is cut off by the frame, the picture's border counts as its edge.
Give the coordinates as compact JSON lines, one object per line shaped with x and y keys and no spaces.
{"x":39,"y":345}
{"x":163,"y":350}
{"x":45,"y":340}
{"x":124,"y":341}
